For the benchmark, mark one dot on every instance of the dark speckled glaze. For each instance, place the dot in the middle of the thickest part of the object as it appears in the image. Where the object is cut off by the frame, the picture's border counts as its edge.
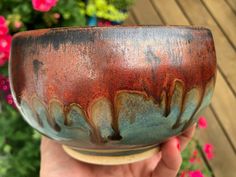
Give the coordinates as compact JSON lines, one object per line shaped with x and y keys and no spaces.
{"x":112,"y":88}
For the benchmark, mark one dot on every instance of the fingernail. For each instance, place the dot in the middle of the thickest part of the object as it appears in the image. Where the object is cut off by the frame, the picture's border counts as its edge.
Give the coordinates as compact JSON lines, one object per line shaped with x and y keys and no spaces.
{"x":178,"y":145}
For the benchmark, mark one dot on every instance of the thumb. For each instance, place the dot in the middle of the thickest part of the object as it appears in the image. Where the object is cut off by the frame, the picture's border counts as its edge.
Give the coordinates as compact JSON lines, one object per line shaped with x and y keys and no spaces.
{"x":170,"y":161}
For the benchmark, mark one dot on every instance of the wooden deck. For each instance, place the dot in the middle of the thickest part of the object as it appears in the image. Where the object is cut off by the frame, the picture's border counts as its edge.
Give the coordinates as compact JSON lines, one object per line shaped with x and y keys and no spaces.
{"x":220,"y":17}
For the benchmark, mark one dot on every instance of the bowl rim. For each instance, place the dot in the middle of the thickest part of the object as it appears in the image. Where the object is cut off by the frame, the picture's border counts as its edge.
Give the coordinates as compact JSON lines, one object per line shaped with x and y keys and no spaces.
{"x":39,"y":32}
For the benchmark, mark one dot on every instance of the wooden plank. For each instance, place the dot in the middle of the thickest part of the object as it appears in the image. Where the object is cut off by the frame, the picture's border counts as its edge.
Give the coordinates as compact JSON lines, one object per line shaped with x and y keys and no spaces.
{"x":224,"y":161}
{"x":232,"y":4}
{"x":224,"y":16}
{"x":145,"y":13}
{"x":225,"y":53}
{"x":170,"y":12}
{"x":224,"y":101}
{"x":224,"y":104}
{"x":130,"y":20}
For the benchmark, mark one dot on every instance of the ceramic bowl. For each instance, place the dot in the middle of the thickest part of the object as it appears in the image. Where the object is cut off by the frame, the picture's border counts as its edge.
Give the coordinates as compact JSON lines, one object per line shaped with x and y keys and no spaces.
{"x":111,"y":95}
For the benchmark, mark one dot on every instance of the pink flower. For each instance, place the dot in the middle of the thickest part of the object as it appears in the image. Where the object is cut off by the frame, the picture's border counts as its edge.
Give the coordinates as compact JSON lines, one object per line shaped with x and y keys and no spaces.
{"x":183,"y":174}
{"x":10,"y":100}
{"x":3,"y":30}
{"x":195,"y":153}
{"x":43,"y":5}
{"x":195,"y":173}
{"x":3,"y":26}
{"x":202,"y":122}
{"x":104,"y":23}
{"x":56,"y":15}
{"x":3,"y":58}
{"x":208,"y":149}
{"x":2,"y":81}
{"x":4,"y":84}
{"x":2,"y":20}
{"x":17,"y":24}
{"x":193,"y":158}
{"x":5,"y":43}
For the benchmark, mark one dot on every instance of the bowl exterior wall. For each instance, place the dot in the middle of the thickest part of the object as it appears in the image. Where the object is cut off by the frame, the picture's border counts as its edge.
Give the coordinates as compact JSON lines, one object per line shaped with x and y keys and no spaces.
{"x":112,"y":88}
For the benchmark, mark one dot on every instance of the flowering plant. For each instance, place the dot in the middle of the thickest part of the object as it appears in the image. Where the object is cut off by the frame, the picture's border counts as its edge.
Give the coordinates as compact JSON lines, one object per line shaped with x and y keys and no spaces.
{"x":193,"y":156}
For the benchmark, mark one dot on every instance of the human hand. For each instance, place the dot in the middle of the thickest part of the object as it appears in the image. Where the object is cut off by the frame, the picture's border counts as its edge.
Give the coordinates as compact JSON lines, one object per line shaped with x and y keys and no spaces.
{"x":166,"y":163}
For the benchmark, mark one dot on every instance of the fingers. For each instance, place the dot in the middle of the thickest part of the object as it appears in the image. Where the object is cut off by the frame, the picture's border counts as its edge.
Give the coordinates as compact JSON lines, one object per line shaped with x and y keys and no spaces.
{"x":55,"y":162}
{"x":50,"y":149}
{"x":51,"y":155}
{"x":146,"y":167}
{"x":186,"y":136}
{"x":171,"y":156}
{"x":171,"y":159}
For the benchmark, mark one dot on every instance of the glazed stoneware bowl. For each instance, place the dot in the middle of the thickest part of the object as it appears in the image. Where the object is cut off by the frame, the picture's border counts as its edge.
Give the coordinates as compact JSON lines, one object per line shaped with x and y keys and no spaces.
{"x":111,"y":95}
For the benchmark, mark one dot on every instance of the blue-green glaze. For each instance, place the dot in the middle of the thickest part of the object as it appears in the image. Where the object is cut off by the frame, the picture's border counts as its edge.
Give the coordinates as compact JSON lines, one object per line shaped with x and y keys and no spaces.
{"x":140,"y":120}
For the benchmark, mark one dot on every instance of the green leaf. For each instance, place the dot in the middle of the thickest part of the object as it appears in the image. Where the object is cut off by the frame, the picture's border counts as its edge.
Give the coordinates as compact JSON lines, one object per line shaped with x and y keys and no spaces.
{"x":7,"y":148}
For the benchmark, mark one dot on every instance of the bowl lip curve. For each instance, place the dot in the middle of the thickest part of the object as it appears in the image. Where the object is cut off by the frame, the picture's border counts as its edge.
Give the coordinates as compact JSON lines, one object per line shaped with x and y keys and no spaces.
{"x":39,"y":32}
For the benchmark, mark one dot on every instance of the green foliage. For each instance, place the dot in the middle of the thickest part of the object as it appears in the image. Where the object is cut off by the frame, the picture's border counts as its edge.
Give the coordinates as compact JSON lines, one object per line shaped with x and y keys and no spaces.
{"x":19,"y":145}
{"x":72,"y":12}
{"x":113,"y":11}
{"x":123,"y":4}
{"x":4,"y":71}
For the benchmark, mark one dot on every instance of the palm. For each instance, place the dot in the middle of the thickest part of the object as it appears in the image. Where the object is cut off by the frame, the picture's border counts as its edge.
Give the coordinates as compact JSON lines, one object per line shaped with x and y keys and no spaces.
{"x":56,"y":163}
{"x":69,"y":167}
